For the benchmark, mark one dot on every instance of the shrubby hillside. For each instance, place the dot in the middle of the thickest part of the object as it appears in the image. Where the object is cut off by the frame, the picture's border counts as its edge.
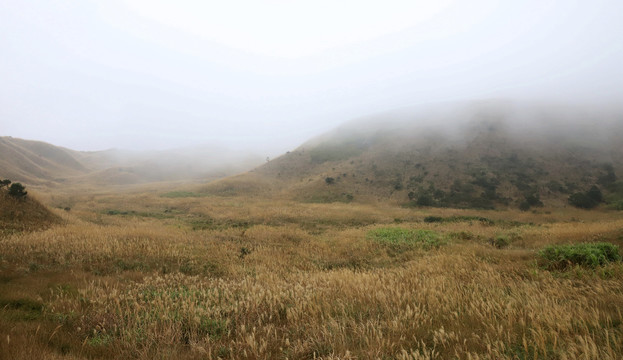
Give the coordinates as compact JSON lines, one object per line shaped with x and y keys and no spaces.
{"x":478,"y":155}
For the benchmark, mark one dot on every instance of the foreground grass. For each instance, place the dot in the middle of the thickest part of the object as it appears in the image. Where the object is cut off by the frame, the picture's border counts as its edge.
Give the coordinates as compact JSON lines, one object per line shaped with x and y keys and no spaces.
{"x":303,"y":281}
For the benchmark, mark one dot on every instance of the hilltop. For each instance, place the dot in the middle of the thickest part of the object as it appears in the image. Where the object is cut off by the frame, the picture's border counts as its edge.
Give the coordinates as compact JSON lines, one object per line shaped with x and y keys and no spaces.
{"x":477,"y":155}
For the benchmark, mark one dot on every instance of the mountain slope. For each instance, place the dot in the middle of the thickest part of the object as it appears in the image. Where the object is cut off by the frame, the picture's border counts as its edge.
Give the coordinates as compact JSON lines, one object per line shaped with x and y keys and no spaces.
{"x":484,"y":155}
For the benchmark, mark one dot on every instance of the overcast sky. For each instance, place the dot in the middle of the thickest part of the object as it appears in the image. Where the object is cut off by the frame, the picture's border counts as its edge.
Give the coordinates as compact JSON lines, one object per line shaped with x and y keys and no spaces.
{"x":268,"y":75}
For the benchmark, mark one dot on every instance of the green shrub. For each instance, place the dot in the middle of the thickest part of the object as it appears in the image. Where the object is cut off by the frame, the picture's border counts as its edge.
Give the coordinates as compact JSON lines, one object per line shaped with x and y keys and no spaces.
{"x":500,"y":241}
{"x":426,"y":239}
{"x":560,"y":257}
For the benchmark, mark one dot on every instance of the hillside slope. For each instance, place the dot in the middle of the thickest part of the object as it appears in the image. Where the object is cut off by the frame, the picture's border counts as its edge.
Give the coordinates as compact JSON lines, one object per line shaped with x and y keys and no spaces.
{"x":24,"y":214}
{"x":482,"y":155}
{"x":36,"y":162}
{"x":39,"y":163}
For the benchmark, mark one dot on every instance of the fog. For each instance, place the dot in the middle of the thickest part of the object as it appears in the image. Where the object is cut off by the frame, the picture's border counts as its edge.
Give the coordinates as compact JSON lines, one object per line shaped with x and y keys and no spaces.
{"x":267,"y":76}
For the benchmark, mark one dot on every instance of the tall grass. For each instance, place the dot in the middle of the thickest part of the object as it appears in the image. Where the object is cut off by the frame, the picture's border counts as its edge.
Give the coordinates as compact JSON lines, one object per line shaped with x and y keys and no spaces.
{"x":303,"y":281}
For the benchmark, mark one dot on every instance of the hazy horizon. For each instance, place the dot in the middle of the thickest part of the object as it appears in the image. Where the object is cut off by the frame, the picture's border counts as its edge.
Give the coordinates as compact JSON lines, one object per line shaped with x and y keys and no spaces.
{"x":266,"y":77}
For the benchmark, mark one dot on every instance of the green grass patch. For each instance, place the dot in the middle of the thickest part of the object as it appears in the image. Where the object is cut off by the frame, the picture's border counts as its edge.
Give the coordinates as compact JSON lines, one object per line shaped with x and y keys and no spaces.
{"x":453,"y":219}
{"x":561,"y":257}
{"x":182,"y":194}
{"x":426,"y":239}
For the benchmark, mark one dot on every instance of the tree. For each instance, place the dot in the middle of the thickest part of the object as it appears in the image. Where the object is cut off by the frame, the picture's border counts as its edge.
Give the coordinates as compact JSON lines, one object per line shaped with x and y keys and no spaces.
{"x":595,"y":194}
{"x":17,"y":190}
{"x":587,"y":200}
{"x":329,"y":180}
{"x":581,"y":200}
{"x":5,"y":182}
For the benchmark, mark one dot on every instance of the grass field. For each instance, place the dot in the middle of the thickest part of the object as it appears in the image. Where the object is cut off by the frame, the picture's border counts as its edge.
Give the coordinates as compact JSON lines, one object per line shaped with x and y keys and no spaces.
{"x":170,"y":273}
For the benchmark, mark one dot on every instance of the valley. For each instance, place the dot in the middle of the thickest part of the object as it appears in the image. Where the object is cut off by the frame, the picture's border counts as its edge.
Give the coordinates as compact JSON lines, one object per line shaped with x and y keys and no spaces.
{"x":365,"y":243}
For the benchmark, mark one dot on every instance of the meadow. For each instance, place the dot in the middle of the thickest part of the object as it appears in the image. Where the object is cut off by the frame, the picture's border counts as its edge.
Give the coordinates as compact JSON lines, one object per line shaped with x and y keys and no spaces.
{"x":158,"y":273}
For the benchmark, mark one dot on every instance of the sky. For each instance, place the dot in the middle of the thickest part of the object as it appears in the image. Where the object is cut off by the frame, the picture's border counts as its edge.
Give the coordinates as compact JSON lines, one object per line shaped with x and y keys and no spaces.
{"x":266,"y":76}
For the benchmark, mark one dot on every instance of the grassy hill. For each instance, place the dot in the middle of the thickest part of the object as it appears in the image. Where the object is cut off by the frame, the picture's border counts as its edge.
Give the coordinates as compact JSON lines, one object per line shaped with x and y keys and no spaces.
{"x":36,"y":162}
{"x":42,"y":164}
{"x":24,"y":214}
{"x":478,"y":155}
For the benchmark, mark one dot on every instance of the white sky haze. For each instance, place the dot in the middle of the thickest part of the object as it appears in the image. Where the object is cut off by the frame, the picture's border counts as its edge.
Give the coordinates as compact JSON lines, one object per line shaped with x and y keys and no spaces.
{"x":268,"y":75}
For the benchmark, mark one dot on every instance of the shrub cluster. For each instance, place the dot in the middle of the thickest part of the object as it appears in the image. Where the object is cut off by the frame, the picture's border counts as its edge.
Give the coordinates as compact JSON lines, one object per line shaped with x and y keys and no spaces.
{"x":587,"y":200}
{"x":560,"y":257}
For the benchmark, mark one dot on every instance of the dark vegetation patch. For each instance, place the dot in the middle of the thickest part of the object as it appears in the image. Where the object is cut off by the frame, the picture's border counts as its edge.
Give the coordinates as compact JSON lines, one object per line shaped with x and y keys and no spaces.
{"x":182,"y":194}
{"x":21,"y":309}
{"x":588,"y":199}
{"x":461,"y":196}
{"x":150,"y":214}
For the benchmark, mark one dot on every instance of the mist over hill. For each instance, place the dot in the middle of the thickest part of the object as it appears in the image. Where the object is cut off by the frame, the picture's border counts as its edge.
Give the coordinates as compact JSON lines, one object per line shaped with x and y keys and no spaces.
{"x":484,"y":154}
{"x":39,"y":163}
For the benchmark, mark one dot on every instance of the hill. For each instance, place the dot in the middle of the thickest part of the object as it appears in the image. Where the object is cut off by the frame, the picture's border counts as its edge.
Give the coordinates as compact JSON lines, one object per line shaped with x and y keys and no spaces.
{"x":39,"y":163}
{"x":24,"y":214}
{"x":477,"y":155}
{"x":36,"y":162}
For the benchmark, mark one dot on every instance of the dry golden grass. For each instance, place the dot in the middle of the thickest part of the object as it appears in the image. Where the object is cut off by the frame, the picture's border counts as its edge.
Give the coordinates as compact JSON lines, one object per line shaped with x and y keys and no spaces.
{"x":139,"y":275}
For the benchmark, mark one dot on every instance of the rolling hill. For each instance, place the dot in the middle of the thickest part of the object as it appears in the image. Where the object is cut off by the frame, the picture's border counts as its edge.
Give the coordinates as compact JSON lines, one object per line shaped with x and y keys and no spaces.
{"x":36,"y":162}
{"x":42,"y":164}
{"x":478,"y":155}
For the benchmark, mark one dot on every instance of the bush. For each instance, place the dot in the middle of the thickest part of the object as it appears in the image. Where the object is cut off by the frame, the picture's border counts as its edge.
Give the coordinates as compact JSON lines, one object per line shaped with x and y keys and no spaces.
{"x":583,"y":201}
{"x":560,"y":257}
{"x":524,"y":206}
{"x":587,"y":200}
{"x":595,"y":194}
{"x":329,"y":180}
{"x":425,"y":200}
{"x":5,"y":183}
{"x":17,"y":190}
{"x":500,"y":241}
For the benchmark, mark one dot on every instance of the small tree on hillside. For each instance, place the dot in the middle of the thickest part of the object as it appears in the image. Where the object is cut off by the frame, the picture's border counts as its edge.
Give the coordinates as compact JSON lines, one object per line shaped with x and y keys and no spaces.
{"x":5,"y":183}
{"x":17,"y":190}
